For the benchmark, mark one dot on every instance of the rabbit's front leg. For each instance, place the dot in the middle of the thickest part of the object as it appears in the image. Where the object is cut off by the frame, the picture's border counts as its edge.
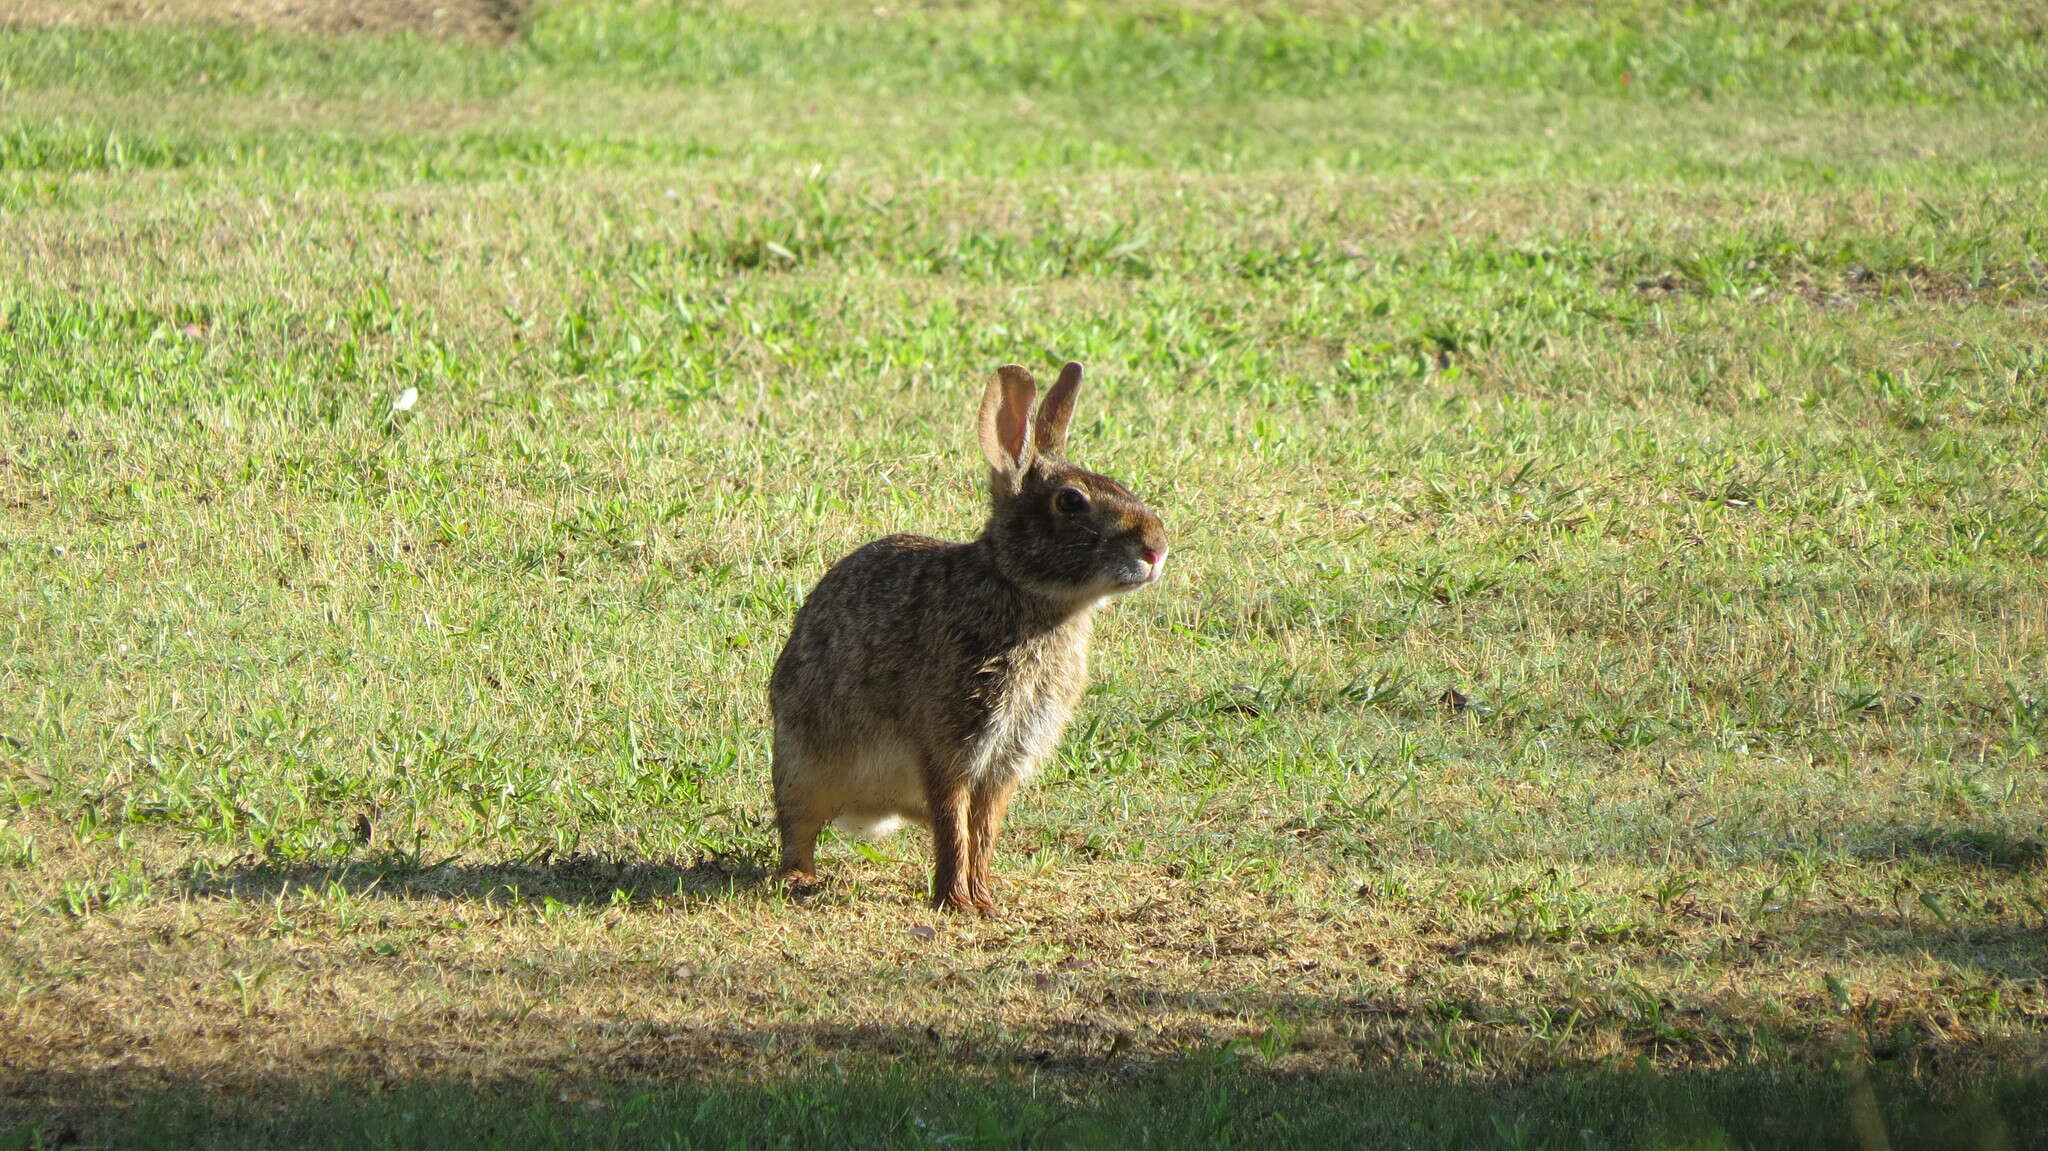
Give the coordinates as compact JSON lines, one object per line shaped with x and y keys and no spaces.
{"x":947,"y":795}
{"x":984,"y":823}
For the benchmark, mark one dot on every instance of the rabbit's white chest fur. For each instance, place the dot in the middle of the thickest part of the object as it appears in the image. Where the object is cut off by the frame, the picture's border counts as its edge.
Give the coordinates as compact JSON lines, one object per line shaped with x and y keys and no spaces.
{"x":1039,"y":693}
{"x":1022,"y":733}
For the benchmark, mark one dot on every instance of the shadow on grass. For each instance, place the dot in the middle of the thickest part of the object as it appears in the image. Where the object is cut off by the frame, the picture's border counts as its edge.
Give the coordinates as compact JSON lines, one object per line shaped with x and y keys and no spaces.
{"x":873,"y":1100}
{"x":2014,"y":952}
{"x":581,"y":879}
{"x":1967,"y":846}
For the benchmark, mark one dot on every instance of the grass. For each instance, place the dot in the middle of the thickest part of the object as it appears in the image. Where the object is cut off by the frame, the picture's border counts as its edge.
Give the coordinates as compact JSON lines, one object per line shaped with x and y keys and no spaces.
{"x":1599,"y":699}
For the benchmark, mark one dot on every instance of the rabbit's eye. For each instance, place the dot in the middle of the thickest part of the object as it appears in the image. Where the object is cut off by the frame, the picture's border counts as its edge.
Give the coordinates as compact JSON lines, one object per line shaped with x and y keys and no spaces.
{"x":1071,"y":501}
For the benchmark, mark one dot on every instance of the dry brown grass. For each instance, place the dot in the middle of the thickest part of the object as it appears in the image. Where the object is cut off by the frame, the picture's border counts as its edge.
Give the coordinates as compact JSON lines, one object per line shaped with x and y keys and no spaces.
{"x":475,"y":972}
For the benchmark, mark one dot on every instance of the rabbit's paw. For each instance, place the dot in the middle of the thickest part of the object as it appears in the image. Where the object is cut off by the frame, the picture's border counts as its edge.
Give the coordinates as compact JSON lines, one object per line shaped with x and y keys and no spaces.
{"x":797,"y":879}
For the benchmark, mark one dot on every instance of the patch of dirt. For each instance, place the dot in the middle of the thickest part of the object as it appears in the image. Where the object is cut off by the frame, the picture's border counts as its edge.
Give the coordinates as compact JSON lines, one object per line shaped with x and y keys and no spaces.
{"x":486,"y":20}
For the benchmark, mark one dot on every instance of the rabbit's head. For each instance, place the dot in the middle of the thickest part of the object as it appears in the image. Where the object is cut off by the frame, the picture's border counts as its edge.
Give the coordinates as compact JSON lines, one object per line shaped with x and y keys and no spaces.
{"x":1058,"y":530}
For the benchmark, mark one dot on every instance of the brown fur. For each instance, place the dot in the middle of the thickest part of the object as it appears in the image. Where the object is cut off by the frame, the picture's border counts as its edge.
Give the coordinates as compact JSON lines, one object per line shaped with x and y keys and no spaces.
{"x":926,"y":680}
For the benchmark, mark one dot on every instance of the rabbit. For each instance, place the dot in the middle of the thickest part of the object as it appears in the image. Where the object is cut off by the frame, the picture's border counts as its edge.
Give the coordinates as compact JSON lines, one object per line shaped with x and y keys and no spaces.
{"x":925,"y":679}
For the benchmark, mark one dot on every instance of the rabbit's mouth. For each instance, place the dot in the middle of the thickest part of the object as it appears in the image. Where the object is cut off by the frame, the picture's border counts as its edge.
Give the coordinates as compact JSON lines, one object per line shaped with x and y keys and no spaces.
{"x":1143,"y":568}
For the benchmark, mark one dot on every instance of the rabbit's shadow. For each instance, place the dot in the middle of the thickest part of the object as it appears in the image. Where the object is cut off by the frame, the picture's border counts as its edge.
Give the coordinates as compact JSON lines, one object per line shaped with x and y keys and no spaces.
{"x":580,"y":879}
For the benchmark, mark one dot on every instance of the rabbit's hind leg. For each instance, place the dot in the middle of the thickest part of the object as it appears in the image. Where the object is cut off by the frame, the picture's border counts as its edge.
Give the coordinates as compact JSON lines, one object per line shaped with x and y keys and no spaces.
{"x":799,"y":829}
{"x":800,"y":812}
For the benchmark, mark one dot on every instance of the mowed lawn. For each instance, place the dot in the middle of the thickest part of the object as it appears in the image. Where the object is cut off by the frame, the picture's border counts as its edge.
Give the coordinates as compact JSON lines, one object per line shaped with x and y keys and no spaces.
{"x":1599,"y":695}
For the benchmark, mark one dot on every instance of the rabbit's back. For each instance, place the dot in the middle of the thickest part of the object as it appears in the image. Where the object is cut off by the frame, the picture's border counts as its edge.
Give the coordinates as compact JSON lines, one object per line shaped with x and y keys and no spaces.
{"x":858,"y":646}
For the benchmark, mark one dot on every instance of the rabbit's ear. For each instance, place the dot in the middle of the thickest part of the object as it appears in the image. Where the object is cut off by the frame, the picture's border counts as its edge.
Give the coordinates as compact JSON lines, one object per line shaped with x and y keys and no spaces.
{"x":1051,"y":437}
{"x":1006,"y":421}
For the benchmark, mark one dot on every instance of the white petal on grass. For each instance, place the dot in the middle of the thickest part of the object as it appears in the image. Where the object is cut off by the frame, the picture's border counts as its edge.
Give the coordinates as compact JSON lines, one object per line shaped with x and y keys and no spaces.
{"x":406,"y":399}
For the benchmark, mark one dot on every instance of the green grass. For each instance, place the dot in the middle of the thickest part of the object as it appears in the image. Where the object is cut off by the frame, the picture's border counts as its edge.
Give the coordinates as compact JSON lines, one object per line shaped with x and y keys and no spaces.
{"x":1599,"y":697}
{"x":1207,"y":1101}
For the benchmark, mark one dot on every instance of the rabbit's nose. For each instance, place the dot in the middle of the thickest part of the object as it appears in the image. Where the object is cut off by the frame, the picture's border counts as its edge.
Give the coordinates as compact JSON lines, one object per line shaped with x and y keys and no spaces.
{"x":1152,"y":556}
